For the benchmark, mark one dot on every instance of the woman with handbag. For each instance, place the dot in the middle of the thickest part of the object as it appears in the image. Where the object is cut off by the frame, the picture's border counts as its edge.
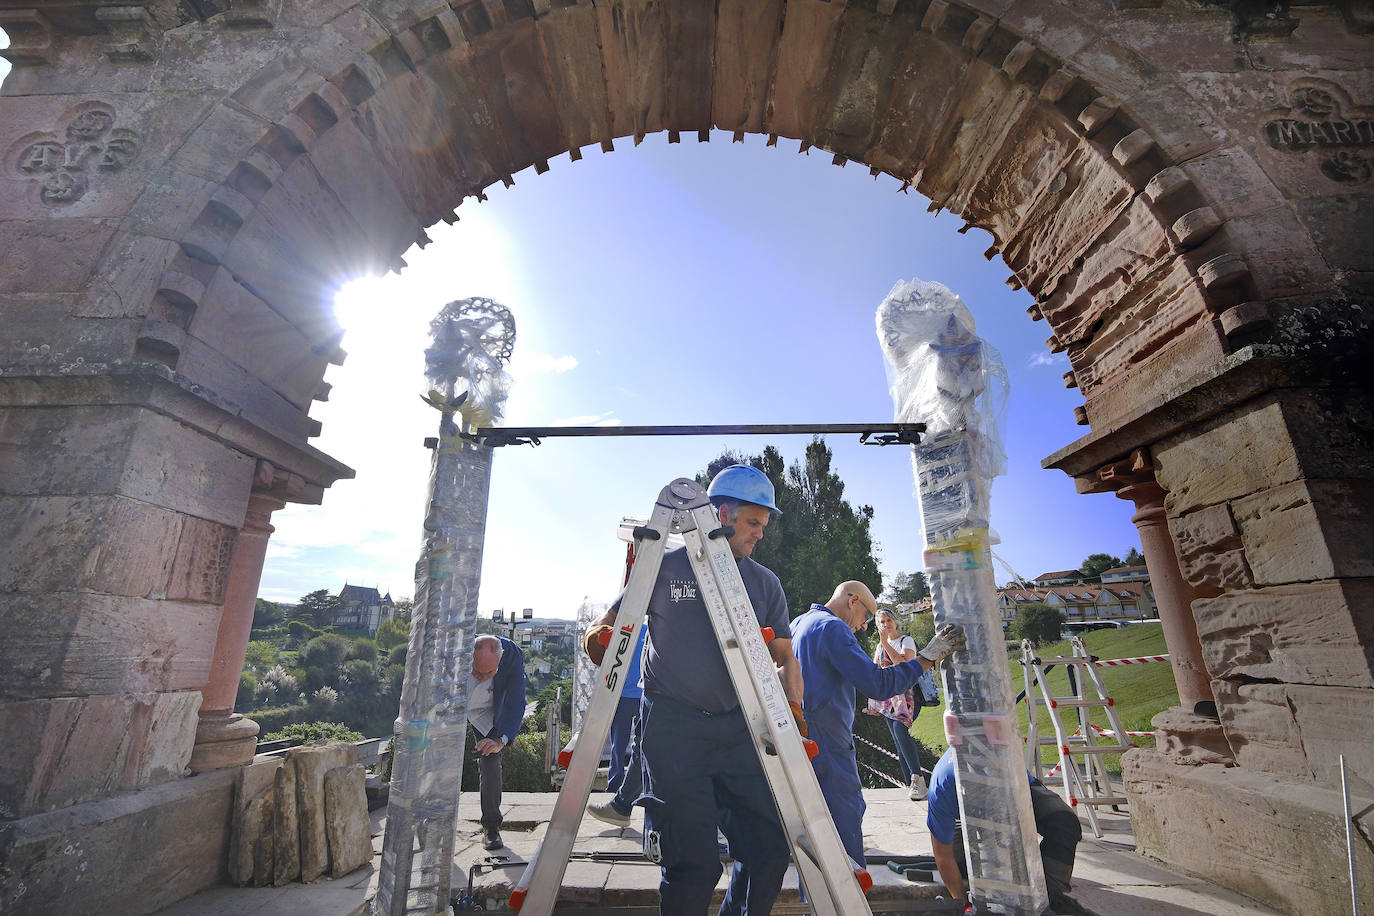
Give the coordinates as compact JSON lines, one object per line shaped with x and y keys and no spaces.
{"x":900,"y":710}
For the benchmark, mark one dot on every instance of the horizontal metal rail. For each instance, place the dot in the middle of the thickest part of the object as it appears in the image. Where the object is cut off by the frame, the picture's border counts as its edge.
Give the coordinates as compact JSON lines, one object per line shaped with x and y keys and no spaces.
{"x":869,"y":433}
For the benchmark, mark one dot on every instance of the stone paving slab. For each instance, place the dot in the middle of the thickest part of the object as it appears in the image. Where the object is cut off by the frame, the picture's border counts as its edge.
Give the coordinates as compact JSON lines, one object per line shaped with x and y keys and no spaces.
{"x":1110,"y":879}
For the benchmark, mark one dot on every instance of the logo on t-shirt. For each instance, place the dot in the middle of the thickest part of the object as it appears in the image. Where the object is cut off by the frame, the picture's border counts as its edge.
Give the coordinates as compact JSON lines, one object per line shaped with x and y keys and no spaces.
{"x":682,"y":590}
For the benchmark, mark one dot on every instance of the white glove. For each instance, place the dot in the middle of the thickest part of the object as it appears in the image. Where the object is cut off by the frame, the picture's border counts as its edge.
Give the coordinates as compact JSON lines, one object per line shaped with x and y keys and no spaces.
{"x":949,"y":638}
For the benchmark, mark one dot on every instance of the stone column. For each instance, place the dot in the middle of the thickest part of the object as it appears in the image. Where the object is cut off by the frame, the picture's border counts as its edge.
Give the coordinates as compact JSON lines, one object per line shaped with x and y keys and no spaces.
{"x":1190,"y":730}
{"x":223,"y":737}
{"x":1173,"y":597}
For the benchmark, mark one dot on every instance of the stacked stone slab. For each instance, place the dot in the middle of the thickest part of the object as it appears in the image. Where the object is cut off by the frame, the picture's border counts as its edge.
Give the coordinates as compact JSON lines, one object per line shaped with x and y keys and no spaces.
{"x":1183,"y":189}
{"x":298,"y":817}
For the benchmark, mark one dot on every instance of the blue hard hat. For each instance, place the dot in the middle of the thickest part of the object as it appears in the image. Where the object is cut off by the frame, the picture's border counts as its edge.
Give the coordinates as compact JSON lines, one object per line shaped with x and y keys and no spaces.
{"x":745,"y":483}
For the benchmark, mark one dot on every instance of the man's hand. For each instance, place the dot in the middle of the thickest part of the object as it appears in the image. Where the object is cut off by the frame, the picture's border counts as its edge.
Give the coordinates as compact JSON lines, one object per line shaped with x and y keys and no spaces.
{"x":797,"y":715}
{"x":489,"y":746}
{"x":949,"y":638}
{"x":592,"y":643}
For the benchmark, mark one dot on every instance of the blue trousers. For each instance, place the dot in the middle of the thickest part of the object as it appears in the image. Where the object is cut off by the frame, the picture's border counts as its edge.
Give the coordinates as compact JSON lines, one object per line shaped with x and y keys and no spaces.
{"x":701,"y":773}
{"x":622,"y":727}
{"x":837,"y":771}
{"x":906,"y":748}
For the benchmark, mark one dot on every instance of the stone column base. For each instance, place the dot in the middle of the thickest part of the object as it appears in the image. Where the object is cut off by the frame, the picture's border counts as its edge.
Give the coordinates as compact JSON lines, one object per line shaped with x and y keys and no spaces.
{"x":1187,"y":738}
{"x":224,"y":741}
{"x":1276,"y":840}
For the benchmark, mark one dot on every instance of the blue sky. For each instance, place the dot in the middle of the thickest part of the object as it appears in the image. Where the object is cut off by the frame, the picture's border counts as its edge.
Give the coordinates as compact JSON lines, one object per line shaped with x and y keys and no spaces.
{"x":671,"y":284}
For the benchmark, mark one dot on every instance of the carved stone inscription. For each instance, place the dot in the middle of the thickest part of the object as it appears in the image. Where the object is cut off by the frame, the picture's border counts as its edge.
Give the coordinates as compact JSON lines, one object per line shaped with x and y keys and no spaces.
{"x":1317,"y":120}
{"x":63,"y":167}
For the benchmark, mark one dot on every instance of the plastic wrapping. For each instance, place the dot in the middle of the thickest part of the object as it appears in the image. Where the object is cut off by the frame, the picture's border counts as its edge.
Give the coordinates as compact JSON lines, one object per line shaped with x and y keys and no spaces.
{"x":944,"y":375}
{"x":468,"y":386}
{"x":584,"y":672}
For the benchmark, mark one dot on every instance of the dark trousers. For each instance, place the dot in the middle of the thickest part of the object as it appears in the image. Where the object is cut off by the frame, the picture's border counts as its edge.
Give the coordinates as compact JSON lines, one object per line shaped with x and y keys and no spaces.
{"x":701,"y":773}
{"x":489,"y":781}
{"x":632,"y":780}
{"x":622,"y":728}
{"x":1059,"y":831}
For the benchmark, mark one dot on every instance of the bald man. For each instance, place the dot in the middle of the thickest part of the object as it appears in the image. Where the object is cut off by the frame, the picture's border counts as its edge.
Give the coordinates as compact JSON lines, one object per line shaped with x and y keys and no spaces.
{"x":833,"y":664}
{"x":496,"y":706}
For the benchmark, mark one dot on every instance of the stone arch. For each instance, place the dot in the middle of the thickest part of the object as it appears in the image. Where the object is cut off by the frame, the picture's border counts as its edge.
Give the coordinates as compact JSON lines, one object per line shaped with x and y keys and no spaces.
{"x":1149,"y":174}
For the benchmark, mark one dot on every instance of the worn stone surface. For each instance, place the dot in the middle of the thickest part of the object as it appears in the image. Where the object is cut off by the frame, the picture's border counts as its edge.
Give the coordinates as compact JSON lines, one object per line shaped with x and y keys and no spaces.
{"x":82,"y":748}
{"x":185,"y":198}
{"x":312,"y":763}
{"x":61,"y":861}
{"x":1210,"y":552}
{"x":84,"y":645}
{"x":1206,"y":821}
{"x":286,"y":836}
{"x":347,"y":825}
{"x":1316,"y":633}
{"x":250,"y":782}
{"x":1307,"y":530}
{"x":1241,"y":452}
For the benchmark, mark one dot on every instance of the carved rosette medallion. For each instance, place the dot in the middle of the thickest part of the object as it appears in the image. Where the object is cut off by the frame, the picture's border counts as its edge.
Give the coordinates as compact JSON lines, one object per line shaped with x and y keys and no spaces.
{"x":64,"y":164}
{"x":1323,"y":119}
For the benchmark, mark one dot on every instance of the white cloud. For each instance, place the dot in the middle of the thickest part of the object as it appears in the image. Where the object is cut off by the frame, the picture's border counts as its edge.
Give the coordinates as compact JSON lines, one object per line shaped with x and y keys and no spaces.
{"x":541,"y":364}
{"x":1041,"y":360}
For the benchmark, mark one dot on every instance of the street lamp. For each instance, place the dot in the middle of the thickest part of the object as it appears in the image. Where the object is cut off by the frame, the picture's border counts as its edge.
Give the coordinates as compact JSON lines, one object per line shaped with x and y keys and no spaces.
{"x":499,"y":616}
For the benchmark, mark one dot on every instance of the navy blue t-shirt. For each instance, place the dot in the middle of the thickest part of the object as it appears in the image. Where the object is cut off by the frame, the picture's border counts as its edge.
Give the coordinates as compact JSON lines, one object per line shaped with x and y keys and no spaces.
{"x":681,"y":657}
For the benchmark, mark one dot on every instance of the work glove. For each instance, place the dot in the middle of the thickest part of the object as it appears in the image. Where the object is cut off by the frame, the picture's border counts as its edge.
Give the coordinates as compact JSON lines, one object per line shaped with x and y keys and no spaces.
{"x":596,"y":641}
{"x":949,"y":638}
{"x":797,"y":715}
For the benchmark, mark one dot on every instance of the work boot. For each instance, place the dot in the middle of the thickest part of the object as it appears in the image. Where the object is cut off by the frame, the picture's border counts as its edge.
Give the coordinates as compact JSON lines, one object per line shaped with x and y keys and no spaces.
{"x":918,"y":787}
{"x":492,"y":839}
{"x":607,"y":814}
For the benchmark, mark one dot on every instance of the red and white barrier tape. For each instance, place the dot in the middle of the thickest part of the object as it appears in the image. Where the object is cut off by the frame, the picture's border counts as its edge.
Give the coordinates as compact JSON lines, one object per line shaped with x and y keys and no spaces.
{"x":1141,"y":660}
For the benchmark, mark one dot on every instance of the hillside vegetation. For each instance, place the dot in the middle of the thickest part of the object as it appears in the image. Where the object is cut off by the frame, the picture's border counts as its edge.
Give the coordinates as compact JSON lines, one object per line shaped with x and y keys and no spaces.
{"x":1140,"y":691}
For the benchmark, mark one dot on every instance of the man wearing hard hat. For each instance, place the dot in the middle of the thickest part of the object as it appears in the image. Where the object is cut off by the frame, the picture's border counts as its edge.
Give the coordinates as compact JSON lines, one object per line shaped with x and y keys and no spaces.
{"x":701,"y":772}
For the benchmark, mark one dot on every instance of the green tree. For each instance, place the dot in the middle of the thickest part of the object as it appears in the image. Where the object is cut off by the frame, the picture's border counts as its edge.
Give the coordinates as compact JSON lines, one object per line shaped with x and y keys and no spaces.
{"x":1098,"y":563}
{"x":260,"y":654}
{"x":404,"y":608}
{"x":921,"y":628}
{"x":393,"y":633}
{"x":1133,"y":558}
{"x":907,"y":588}
{"x":266,"y":613}
{"x":318,"y":608}
{"x":819,"y":540}
{"x":1037,"y":622}
{"x":323,"y":658}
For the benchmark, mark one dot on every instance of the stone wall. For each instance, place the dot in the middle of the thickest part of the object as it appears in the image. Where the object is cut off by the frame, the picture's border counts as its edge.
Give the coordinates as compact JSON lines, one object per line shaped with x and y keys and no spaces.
{"x":183,"y":186}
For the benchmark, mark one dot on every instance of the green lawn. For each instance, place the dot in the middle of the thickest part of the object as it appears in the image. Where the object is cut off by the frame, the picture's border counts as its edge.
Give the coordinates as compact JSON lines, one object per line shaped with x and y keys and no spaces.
{"x":1140,"y":691}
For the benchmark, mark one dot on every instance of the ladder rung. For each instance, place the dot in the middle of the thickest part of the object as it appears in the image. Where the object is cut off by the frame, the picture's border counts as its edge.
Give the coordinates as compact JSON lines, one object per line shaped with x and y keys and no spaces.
{"x":1097,"y":748}
{"x":1055,"y":702}
{"x":1105,"y":800}
{"x":1066,"y":660}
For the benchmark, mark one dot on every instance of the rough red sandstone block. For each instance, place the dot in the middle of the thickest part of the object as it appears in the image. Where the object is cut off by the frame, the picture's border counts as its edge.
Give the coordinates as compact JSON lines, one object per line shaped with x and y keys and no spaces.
{"x":1242,"y":451}
{"x":1307,"y":530}
{"x":286,"y":836}
{"x":127,"y":287}
{"x":570,"y":52}
{"x":1319,"y":633}
{"x":81,"y":643}
{"x":1210,"y":553}
{"x":81,"y":748}
{"x":737,"y":102}
{"x":312,"y":763}
{"x":347,"y":824}
{"x":1205,"y":820}
{"x":200,"y":571}
{"x":635,"y":65}
{"x":250,"y":782}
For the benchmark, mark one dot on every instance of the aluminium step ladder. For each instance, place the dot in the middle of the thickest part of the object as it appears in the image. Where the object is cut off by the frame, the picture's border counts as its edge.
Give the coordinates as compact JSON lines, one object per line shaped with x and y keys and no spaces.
{"x":1091,"y":785}
{"x":834,"y":884}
